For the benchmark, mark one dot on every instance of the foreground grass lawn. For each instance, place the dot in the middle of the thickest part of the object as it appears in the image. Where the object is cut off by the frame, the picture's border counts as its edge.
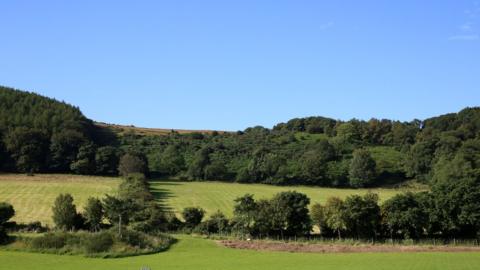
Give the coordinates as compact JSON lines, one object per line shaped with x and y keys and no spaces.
{"x":194,"y":254}
{"x":213,"y":196}
{"x":33,"y":196}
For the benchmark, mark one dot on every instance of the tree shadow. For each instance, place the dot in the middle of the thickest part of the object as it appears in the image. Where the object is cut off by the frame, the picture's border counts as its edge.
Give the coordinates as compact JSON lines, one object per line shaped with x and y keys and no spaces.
{"x":161,"y":193}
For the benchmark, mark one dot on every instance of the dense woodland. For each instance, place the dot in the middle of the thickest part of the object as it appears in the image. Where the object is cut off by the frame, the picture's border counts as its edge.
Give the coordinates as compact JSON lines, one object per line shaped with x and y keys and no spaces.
{"x":40,"y":134}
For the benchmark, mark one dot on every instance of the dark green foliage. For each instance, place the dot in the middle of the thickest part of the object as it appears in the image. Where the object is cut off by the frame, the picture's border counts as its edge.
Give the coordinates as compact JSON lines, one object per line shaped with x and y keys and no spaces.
{"x":85,"y":160}
{"x":94,"y":213}
{"x":170,"y":161}
{"x":49,"y":241}
{"x":105,"y":244}
{"x":39,"y":134}
{"x":64,"y":212}
{"x":117,"y":210}
{"x":106,"y":160}
{"x":404,"y":216}
{"x":28,"y":147}
{"x":200,"y":161}
{"x":6,"y":213}
{"x":334,"y":215}
{"x":64,"y":148}
{"x":319,"y":218}
{"x":286,"y":214}
{"x":244,"y":211}
{"x":362,"y":215}
{"x":192,"y":216}
{"x":99,"y":242}
{"x":135,"y":187}
{"x":293,"y":207}
{"x":362,"y":169}
{"x":217,"y":223}
{"x":133,"y":163}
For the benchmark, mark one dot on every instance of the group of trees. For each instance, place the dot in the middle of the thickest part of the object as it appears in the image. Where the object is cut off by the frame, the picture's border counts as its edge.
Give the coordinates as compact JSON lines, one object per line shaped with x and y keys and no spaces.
{"x":134,"y":207}
{"x":448,"y":211}
{"x":335,"y":153}
{"x":39,"y":134}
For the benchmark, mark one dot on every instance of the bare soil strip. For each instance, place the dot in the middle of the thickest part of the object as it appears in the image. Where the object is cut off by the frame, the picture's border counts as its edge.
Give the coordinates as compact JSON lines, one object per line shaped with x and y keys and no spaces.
{"x":340,"y":248}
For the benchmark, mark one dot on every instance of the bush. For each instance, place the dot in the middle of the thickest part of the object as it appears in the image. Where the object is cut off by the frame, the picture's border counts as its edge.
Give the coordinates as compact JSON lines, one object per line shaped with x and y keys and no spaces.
{"x":49,"y":241}
{"x":35,"y":226}
{"x":135,"y":239}
{"x":193,"y":216}
{"x":99,"y":242}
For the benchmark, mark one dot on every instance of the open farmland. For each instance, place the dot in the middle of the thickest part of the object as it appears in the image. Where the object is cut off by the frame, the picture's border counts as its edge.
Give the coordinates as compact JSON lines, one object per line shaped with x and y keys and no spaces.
{"x":213,"y":196}
{"x":33,"y":196}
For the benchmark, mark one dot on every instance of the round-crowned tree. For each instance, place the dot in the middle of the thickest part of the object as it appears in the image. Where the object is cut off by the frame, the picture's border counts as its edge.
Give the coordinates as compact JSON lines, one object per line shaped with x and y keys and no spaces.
{"x":64,"y":212}
{"x":193,"y":216}
{"x":132,"y":163}
{"x":362,"y":169}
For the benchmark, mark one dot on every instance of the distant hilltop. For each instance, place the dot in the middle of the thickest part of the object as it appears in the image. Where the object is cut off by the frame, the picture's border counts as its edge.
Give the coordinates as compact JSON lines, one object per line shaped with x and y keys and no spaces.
{"x":123,"y":129}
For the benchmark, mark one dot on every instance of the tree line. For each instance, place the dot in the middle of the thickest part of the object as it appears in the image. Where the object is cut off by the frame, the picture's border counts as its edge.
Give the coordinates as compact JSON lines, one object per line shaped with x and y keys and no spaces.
{"x":38,"y":134}
{"x":449,"y":210}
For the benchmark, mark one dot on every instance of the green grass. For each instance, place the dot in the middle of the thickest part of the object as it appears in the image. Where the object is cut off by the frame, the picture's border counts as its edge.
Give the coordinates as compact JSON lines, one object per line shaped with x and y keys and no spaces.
{"x":194,"y":253}
{"x":33,"y":196}
{"x":214,"y":196}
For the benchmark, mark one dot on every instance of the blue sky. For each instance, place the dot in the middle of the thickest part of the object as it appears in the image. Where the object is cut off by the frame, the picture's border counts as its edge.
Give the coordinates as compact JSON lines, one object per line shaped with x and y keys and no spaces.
{"x":228,"y":65}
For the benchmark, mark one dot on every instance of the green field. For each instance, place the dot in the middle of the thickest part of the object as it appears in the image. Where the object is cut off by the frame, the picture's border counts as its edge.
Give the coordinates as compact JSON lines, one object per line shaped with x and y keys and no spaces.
{"x":194,"y":253}
{"x":33,"y":197}
{"x":213,"y":196}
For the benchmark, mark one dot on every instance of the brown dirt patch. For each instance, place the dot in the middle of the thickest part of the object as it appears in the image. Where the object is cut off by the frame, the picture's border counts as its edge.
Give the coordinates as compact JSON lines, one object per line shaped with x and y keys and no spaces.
{"x":340,"y":248}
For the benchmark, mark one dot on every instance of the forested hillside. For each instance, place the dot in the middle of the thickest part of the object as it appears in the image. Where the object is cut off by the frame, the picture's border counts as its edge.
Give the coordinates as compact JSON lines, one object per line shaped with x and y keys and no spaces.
{"x":39,"y":134}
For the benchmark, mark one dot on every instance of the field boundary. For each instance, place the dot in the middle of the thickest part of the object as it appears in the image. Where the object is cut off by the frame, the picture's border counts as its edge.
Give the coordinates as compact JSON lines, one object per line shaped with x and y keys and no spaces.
{"x":260,"y":245}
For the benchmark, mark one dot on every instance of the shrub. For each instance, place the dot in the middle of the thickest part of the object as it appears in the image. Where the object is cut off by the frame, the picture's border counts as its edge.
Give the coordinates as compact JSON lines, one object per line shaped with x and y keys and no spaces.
{"x":49,"y":241}
{"x":99,"y":242}
{"x":193,"y":216}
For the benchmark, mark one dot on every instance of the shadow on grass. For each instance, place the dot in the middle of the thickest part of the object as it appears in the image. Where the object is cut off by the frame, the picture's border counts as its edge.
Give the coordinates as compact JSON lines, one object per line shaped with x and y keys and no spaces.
{"x":161,"y":193}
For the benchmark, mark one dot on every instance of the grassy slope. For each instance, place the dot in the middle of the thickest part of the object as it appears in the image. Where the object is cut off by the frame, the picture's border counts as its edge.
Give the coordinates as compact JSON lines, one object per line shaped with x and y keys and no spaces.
{"x":33,"y":197}
{"x":194,"y":253}
{"x":214,"y":196}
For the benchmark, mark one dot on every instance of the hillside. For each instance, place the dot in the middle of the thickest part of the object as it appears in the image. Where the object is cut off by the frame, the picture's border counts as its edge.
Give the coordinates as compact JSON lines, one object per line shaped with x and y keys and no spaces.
{"x":123,"y":130}
{"x":40,"y":134}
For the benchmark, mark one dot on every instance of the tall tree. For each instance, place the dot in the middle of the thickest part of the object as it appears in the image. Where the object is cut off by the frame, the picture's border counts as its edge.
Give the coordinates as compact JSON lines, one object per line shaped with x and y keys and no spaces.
{"x":362,"y":169}
{"x":64,"y":212}
{"x":94,"y":213}
{"x":28,"y":148}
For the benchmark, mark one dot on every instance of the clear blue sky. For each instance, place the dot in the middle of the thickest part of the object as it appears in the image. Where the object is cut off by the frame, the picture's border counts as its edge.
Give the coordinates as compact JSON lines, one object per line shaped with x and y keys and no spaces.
{"x":232,"y":64}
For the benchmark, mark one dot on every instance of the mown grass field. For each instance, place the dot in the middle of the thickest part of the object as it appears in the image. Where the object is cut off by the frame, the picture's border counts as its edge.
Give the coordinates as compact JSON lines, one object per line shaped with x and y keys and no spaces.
{"x":33,"y":196}
{"x":213,"y":196}
{"x":194,"y":253}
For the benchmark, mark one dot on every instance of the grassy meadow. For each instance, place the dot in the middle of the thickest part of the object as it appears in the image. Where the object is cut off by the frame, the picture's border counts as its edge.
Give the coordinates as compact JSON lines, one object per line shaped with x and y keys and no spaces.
{"x":213,"y":196}
{"x":33,"y":196}
{"x":196,"y":253}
